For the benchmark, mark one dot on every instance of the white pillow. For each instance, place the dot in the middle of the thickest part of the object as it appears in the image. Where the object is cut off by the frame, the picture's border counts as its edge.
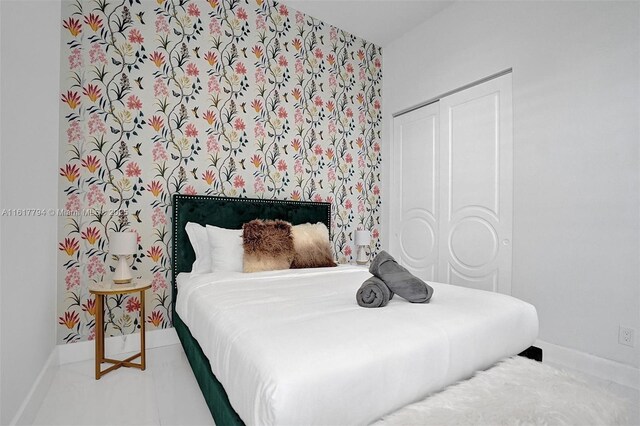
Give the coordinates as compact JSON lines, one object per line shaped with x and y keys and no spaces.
{"x":225,"y":248}
{"x":200,"y":243}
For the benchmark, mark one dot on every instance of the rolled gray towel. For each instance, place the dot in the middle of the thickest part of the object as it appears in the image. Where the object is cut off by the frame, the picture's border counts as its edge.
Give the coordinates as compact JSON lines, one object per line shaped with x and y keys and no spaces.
{"x":373,"y":293}
{"x":399,"y":280}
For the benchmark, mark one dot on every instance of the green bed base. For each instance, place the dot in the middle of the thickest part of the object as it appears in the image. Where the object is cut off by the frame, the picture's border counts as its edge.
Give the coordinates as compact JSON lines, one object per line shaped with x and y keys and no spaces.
{"x":228,"y":213}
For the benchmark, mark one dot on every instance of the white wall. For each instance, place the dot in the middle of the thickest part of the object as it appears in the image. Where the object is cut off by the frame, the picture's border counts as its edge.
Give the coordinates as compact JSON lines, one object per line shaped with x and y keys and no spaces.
{"x":576,"y":97}
{"x":30,"y":60}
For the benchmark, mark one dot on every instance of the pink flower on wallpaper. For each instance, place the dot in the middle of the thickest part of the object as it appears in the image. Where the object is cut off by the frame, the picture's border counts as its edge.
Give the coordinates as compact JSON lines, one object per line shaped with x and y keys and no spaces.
{"x":92,"y":334}
{"x":190,"y":190}
{"x":159,"y":282}
{"x":161,"y":25}
{"x":362,"y":75}
{"x":213,"y":85}
{"x":375,"y":234}
{"x":238,"y":124}
{"x":190,"y":130}
{"x":75,"y":59}
{"x":360,"y":143}
{"x":133,"y":102}
{"x":260,"y":23}
{"x":282,"y":165}
{"x":318,"y":53}
{"x":258,"y":185}
{"x":192,"y":69}
{"x":349,"y":112}
{"x":193,"y":10}
{"x":376,"y":190}
{"x":318,"y":101}
{"x":361,"y":161}
{"x":333,"y":33}
{"x":282,"y":61}
{"x":348,"y":158}
{"x":299,"y":67}
{"x":317,"y":198}
{"x":347,"y":250}
{"x":238,"y":182}
{"x":377,"y":63}
{"x":332,"y":81}
{"x":376,"y":147}
{"x":349,"y":68}
{"x":158,"y":217}
{"x":214,"y":27}
{"x":298,"y":117}
{"x":72,"y":278}
{"x":240,"y":68}
{"x":259,"y":76}
{"x":258,"y":131}
{"x":95,"y":267}
{"x":376,"y":104}
{"x":318,"y":150}
{"x":296,"y":144}
{"x":330,"y":153}
{"x":242,"y":14}
{"x":96,"y":125}
{"x":133,"y":304}
{"x":74,"y":132}
{"x":212,"y":144}
{"x":360,"y":206}
{"x":133,"y":170}
{"x":329,"y":199}
{"x":97,"y":55}
{"x":295,"y":195}
{"x":135,"y":36}
{"x":283,"y":10}
{"x":95,"y":196}
{"x":332,"y":127}
{"x":331,"y":174}
{"x":73,"y":203}
{"x":297,"y":167}
{"x":348,"y":204}
{"x":159,"y":153}
{"x":299,"y":18}
{"x":160,"y":88}
{"x":282,"y":113}
{"x":361,"y":118}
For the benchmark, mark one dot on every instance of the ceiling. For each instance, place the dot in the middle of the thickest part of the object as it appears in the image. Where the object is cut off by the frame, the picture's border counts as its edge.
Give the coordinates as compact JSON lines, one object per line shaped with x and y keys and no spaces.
{"x":378,"y":21}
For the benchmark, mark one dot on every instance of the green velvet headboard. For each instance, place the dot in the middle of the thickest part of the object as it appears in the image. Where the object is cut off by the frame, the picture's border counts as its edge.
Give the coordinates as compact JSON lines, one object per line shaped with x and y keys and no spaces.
{"x":232,"y":213}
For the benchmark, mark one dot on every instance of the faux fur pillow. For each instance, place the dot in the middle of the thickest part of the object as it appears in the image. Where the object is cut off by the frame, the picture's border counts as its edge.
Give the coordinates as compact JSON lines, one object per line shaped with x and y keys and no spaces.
{"x":311,"y":244}
{"x":268,"y":245}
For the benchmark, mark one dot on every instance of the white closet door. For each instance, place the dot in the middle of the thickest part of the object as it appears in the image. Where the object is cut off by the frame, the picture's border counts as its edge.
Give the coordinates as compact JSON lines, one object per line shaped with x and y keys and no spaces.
{"x":415,"y":198}
{"x":476,"y":187}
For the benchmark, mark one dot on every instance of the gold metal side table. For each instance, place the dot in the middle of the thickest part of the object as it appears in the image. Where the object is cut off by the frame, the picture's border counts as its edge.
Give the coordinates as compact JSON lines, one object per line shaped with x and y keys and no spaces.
{"x":108,"y":288}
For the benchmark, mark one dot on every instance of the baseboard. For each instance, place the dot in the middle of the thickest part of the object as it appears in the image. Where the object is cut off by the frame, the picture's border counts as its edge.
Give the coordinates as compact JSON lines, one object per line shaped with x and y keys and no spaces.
{"x":619,"y":373}
{"x":82,"y":351}
{"x":29,"y":408}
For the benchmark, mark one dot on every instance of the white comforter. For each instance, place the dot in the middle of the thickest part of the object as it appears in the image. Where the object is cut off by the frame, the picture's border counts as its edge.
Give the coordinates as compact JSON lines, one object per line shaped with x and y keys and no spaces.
{"x":293,"y":347}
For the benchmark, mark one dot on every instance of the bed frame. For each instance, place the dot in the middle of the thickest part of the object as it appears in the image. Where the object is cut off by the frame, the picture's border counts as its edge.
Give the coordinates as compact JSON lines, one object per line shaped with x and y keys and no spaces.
{"x":228,"y":213}
{"x":231,"y":213}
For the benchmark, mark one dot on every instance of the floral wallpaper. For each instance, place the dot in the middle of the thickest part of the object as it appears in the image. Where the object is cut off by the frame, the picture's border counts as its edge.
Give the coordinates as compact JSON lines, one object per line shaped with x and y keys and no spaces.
{"x":242,"y":98}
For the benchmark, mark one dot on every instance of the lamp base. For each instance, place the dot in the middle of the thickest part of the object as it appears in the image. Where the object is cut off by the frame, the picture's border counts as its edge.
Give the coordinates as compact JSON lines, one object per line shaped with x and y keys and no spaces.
{"x":362,"y":258}
{"x":122,"y":274}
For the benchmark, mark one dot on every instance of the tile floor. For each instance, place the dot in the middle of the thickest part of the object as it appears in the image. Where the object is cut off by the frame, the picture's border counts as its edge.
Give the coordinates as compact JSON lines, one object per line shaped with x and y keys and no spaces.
{"x":165,"y":394}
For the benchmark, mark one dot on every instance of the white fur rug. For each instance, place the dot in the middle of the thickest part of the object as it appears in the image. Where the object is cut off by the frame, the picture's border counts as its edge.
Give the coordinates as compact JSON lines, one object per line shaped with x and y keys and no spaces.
{"x":517,"y":391}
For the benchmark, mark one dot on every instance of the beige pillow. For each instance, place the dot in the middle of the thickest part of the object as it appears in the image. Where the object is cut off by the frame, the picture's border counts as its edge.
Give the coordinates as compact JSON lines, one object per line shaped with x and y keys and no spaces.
{"x":267,"y":244}
{"x":311,"y":245}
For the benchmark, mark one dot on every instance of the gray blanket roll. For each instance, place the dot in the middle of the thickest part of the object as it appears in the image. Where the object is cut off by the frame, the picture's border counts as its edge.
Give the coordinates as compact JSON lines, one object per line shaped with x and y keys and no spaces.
{"x":399,"y":280}
{"x":373,"y":293}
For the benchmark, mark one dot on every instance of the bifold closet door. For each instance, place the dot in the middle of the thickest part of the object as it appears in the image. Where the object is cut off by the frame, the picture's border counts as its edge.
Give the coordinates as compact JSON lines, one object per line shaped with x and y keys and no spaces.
{"x":476,"y":186}
{"x":415,"y":197}
{"x":451,"y":188}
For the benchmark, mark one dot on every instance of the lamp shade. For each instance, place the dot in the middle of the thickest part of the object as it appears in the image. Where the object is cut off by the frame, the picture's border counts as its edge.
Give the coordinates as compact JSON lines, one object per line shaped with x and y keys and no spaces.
{"x":363,"y":237}
{"x":123,"y":243}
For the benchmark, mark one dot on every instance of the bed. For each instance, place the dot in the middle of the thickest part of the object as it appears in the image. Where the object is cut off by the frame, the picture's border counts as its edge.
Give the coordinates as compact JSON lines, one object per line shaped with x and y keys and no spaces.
{"x":293,"y":347}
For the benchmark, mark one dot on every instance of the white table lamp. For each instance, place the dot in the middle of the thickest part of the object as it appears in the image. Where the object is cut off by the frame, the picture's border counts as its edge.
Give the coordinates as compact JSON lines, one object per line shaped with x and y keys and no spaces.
{"x":362,"y":240}
{"x":123,"y":244}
